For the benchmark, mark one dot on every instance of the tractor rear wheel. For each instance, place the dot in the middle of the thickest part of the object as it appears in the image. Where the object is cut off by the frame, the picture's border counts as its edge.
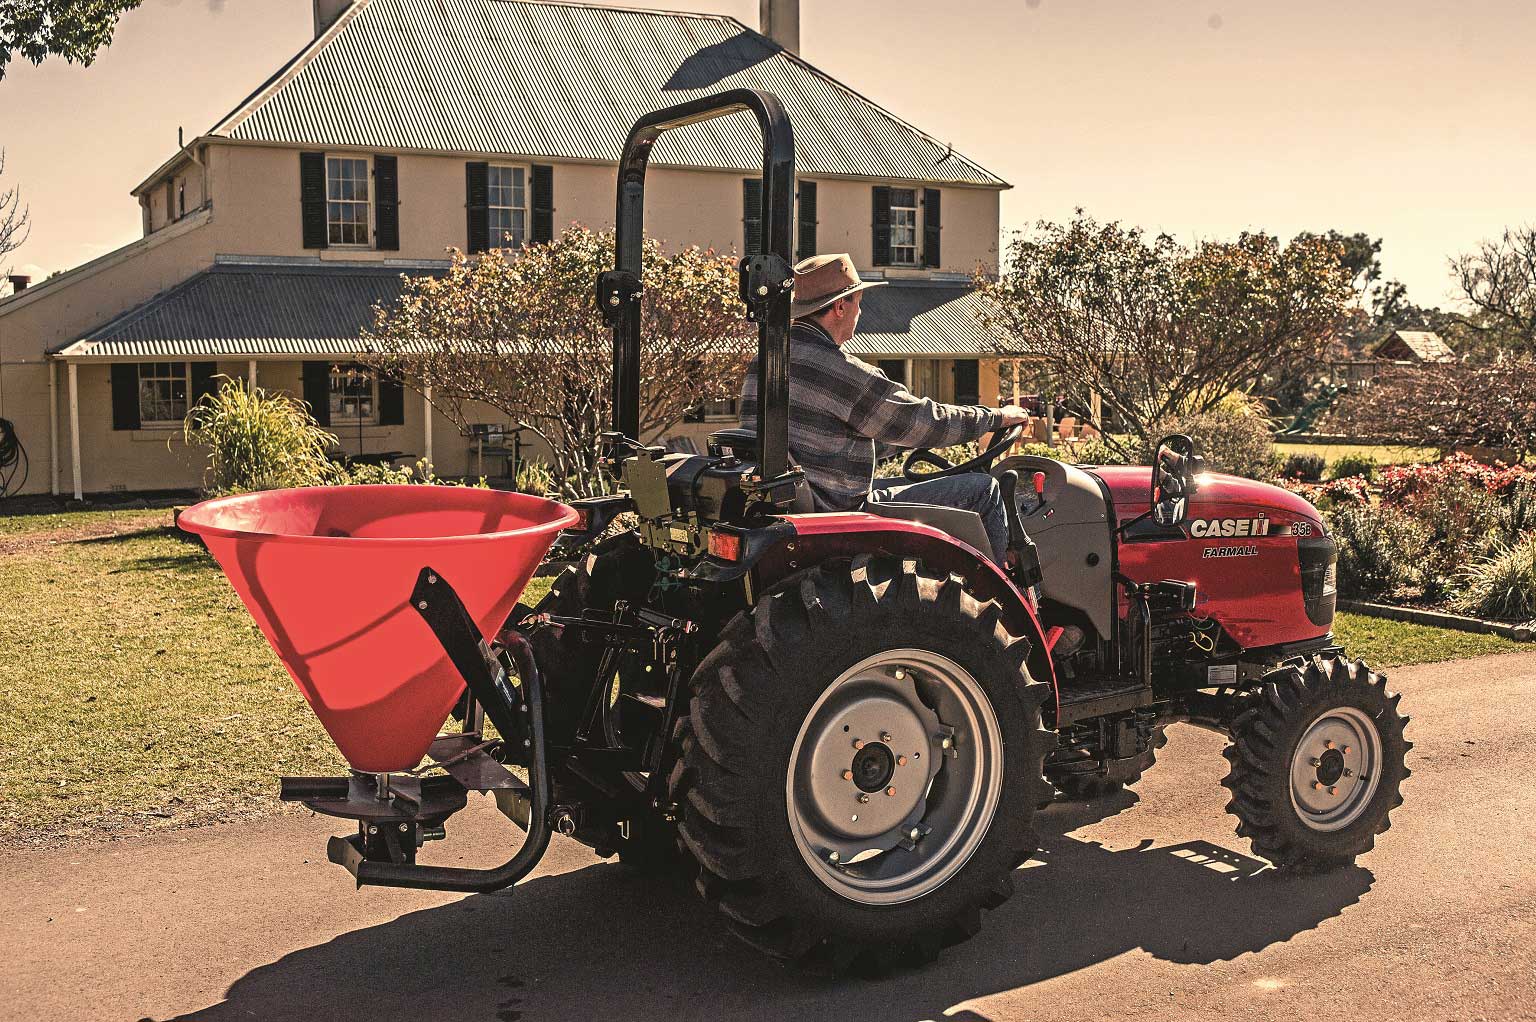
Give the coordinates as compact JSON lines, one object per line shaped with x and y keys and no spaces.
{"x":1316,"y":764}
{"x":861,"y":762}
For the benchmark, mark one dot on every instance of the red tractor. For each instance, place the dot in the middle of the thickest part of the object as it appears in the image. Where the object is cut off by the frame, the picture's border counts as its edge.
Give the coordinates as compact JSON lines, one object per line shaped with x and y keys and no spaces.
{"x":847,"y":721}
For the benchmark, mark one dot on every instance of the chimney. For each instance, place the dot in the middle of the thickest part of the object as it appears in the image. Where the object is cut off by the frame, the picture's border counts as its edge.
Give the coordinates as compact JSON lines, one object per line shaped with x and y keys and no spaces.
{"x":327,"y":11}
{"x":779,"y":20}
{"x":19,"y":283}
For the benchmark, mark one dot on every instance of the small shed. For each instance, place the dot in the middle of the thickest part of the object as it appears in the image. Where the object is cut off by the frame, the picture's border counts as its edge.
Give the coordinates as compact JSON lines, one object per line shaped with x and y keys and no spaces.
{"x":1417,"y":346}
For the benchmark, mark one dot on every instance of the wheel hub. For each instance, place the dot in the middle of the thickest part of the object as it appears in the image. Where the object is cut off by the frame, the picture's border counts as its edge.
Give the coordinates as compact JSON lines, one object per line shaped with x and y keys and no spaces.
{"x":894,"y":776}
{"x":1335,"y":769}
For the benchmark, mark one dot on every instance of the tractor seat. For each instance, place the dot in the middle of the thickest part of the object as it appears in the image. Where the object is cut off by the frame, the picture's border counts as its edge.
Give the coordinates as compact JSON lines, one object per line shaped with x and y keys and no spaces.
{"x":964,"y":525}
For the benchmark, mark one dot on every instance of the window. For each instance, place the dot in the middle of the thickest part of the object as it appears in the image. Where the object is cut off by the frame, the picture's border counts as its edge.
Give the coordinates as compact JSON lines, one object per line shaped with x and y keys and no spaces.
{"x":354,"y":394}
{"x":181,"y":198}
{"x":508,"y":205}
{"x":163,"y":390}
{"x":346,"y":194}
{"x":904,"y":226}
{"x":895,"y":368}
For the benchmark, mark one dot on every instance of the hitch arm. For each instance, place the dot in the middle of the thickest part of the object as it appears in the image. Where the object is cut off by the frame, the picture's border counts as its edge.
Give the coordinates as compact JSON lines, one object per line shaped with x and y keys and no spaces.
{"x":485,"y":674}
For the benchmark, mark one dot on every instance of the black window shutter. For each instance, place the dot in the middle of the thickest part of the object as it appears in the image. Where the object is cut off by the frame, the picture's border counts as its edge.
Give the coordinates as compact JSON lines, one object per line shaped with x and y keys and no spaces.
{"x":477,"y":201}
{"x":125,"y":395}
{"x":931,"y":227}
{"x":751,"y":215}
{"x":543,"y":212}
{"x":312,"y":198}
{"x":202,"y":380}
{"x":391,"y":402}
{"x":807,"y":239}
{"x":317,"y":390}
{"x":386,"y":191}
{"x":882,"y":239}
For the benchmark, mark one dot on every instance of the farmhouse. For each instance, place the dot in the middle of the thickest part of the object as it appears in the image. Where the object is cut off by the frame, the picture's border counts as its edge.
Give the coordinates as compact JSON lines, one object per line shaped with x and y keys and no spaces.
{"x":409,"y":127}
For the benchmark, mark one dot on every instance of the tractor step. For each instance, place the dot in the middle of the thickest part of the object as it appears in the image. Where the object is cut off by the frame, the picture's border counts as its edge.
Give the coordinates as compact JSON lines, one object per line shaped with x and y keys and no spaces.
{"x":1083,"y":702}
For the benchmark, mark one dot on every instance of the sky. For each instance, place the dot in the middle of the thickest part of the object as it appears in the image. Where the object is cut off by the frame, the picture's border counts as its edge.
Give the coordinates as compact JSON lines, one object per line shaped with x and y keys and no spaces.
{"x":1407,"y":119}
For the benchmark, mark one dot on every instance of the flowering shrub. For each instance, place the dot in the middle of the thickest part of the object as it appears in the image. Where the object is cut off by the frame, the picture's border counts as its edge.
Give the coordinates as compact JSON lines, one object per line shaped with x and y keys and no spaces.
{"x":1402,"y":481}
{"x":1382,"y":551}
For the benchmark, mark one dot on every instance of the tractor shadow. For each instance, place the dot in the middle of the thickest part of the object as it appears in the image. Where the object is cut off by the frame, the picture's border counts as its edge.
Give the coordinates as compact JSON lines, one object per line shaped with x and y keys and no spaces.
{"x":603,"y":943}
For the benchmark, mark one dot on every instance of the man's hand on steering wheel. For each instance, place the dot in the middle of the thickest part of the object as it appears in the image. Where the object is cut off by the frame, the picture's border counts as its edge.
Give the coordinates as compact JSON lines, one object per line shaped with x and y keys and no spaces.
{"x":1014,"y":418}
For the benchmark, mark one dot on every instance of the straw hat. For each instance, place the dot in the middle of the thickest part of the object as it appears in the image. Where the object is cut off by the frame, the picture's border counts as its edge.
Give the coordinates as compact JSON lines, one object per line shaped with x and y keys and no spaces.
{"x":822,"y":280}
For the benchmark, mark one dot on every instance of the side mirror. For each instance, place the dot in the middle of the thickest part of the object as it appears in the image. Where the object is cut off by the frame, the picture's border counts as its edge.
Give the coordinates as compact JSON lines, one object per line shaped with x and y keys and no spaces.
{"x":1175,"y":467}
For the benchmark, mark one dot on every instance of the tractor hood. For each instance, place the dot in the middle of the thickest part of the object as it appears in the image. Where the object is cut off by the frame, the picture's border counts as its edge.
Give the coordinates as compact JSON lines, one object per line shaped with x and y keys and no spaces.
{"x":1129,"y":487}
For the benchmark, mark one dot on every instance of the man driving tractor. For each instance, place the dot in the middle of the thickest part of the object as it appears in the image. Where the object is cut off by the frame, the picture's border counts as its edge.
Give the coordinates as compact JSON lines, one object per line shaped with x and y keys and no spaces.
{"x":845,"y":415}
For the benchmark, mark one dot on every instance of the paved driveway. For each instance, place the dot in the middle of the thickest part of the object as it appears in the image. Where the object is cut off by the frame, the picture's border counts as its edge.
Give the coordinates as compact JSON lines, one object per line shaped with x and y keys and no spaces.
{"x":1134,"y":908}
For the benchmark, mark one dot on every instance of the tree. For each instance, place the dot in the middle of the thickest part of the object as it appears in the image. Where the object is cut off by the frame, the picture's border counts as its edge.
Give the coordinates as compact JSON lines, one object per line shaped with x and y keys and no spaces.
{"x":15,"y":219}
{"x":1158,"y":330}
{"x":1499,"y":280}
{"x":72,"y":29}
{"x":520,"y":331}
{"x":1448,"y":405}
{"x":1358,"y":252}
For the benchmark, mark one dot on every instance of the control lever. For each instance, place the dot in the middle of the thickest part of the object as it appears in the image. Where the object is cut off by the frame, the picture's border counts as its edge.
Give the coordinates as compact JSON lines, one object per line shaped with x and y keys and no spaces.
{"x":1026,"y":557}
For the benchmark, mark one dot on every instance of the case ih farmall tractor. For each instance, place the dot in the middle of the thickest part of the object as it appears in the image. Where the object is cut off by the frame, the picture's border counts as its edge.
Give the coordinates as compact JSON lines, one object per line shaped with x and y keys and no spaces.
{"x":846,"y":721}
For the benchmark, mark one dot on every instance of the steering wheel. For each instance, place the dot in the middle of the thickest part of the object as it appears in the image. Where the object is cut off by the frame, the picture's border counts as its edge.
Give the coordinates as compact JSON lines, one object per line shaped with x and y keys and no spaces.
{"x":1004,"y":439}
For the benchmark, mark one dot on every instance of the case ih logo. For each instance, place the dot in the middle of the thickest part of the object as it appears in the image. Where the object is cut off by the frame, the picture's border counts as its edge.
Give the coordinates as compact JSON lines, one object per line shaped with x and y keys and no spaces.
{"x":1204,"y":528}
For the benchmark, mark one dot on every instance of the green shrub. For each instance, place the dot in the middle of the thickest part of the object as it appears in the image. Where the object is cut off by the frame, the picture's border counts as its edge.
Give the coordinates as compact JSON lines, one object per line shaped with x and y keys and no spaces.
{"x":1503,"y":587}
{"x":1381,"y":550}
{"x":1094,"y":451}
{"x":1306,"y":467}
{"x":536,"y":478}
{"x":256,"y":440}
{"x":1352,"y":465}
{"x":1521,"y":509}
{"x":351,"y":473}
{"x":1232,"y":438}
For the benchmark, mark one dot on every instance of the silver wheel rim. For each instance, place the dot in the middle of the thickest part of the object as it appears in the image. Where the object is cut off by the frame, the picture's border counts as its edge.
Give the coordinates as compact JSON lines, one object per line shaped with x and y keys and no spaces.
{"x":1336,"y":769}
{"x":893,"y":817}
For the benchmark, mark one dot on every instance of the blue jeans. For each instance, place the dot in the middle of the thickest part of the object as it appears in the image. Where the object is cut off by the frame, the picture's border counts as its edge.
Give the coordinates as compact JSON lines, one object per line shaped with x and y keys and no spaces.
{"x":973,"y":491}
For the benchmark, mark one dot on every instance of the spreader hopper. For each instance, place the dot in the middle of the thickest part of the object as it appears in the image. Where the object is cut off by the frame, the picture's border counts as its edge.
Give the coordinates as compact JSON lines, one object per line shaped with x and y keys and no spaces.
{"x":328,"y":572}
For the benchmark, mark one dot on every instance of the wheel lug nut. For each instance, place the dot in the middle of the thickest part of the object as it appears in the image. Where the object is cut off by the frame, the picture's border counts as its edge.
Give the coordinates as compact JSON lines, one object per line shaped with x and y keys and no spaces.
{"x":858,"y":743}
{"x":1348,"y":772}
{"x":900,"y":674}
{"x":1317,"y":785}
{"x":834,"y":858}
{"x":901,"y":761}
{"x":1316,"y":762}
{"x":1333,"y":791}
{"x":914,"y":834}
{"x":847,"y":775}
{"x":890,"y":791}
{"x":1328,"y":745}
{"x":863,"y":798}
{"x":886,"y":737}
{"x":1347,"y":750}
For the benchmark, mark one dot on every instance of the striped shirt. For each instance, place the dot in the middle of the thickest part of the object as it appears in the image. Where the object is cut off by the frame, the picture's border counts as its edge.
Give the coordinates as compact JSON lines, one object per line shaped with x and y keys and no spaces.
{"x":843,"y":413}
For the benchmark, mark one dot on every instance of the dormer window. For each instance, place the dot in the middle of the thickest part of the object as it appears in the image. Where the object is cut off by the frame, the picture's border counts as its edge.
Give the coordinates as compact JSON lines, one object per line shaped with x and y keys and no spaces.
{"x":347,"y":212}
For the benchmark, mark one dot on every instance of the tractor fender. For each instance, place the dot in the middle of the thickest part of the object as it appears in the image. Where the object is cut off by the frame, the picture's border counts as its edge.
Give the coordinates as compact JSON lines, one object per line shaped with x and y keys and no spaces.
{"x":820,"y":537}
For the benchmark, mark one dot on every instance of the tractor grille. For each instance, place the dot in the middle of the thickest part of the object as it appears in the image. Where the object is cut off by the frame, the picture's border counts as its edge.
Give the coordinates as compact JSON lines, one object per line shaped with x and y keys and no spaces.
{"x":1319,"y":578}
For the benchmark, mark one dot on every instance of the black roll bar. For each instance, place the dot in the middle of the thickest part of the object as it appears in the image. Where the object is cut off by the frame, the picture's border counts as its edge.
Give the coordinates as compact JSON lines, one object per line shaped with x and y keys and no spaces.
{"x":767,"y":277}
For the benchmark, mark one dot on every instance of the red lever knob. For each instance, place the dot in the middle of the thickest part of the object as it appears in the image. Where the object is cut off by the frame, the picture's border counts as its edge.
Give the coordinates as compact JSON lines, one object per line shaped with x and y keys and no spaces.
{"x":1039,"y":484}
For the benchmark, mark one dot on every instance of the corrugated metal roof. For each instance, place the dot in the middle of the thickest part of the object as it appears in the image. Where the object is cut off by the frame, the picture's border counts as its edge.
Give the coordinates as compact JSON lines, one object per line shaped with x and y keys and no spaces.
{"x":239,"y":310}
{"x":565,"y":80}
{"x":1424,"y":345}
{"x":316,"y":309}
{"x":921,"y":319}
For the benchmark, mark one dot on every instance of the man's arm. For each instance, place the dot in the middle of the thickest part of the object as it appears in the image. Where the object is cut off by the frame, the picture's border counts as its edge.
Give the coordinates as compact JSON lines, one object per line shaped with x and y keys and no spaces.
{"x":891,"y":415}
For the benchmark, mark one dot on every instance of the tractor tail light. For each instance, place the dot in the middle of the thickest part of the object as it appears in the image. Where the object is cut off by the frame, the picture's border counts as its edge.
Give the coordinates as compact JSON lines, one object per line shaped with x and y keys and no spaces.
{"x":724,"y":545}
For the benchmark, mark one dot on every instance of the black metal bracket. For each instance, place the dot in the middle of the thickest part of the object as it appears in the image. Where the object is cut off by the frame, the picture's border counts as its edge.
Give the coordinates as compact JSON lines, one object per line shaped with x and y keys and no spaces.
{"x":616,"y":289}
{"x":764,"y":277}
{"x":518,"y":714}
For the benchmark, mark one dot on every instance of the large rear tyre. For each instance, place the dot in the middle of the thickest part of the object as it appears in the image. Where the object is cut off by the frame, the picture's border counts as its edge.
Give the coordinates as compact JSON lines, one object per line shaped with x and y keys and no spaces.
{"x":861,"y":762}
{"x":1317,"y":763}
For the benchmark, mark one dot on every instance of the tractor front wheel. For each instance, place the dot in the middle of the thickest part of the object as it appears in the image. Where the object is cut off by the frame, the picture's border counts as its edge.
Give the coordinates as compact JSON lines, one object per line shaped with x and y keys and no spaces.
{"x":1316,"y":764}
{"x":861,"y":762}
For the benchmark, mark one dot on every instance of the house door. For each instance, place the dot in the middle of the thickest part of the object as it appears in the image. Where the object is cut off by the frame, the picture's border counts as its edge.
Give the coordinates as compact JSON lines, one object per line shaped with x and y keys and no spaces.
{"x":967,"y":382}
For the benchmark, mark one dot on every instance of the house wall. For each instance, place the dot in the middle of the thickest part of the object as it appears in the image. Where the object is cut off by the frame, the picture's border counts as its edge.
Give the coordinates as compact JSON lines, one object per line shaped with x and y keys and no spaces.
{"x":252,"y":208}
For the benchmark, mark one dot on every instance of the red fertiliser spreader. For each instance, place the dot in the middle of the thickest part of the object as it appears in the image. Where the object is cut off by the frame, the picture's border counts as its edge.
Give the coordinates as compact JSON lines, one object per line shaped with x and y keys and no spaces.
{"x":325,"y":572}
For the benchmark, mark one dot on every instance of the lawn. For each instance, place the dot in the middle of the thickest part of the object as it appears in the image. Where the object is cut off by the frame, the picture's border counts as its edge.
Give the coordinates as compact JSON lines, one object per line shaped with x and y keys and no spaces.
{"x":136,"y":693}
{"x":1382,"y":454}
